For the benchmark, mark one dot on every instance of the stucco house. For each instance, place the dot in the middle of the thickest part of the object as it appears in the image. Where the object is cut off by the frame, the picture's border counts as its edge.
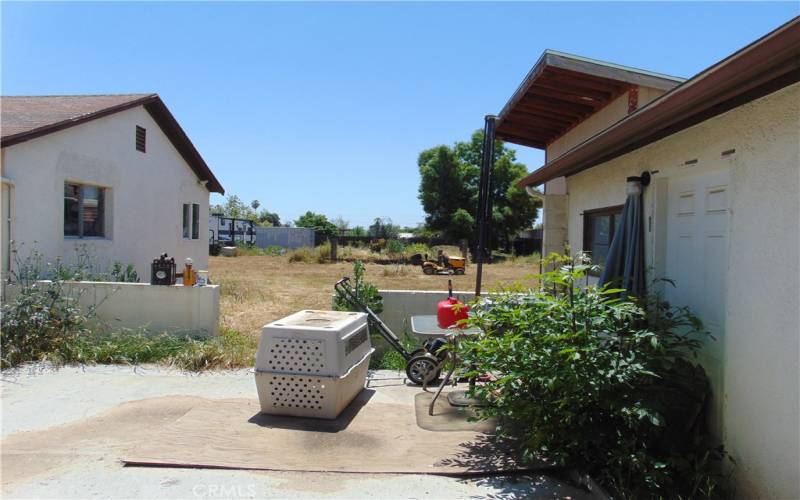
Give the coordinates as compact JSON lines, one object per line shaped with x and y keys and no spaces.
{"x":115,"y":175}
{"x":721,"y":215}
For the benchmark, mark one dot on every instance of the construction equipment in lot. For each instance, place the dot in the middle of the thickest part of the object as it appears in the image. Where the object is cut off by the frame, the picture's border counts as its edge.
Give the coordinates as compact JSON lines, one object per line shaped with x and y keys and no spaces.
{"x":444,"y":264}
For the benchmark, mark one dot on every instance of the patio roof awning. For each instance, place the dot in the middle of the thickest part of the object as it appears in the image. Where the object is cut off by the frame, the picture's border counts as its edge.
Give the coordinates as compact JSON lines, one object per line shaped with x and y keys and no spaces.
{"x":561,"y":90}
{"x":765,"y":66}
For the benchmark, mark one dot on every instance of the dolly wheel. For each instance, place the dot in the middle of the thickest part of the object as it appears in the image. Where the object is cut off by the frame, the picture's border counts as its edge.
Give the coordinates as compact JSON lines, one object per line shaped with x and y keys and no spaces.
{"x":423,"y":369}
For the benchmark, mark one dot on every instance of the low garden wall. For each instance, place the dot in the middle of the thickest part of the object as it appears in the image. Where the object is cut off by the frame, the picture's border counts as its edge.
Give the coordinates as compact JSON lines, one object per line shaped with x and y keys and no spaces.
{"x":400,"y":305}
{"x":193,"y":310}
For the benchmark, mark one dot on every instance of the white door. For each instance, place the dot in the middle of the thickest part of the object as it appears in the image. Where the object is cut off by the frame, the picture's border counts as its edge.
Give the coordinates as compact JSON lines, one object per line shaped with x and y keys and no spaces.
{"x":697,"y":259}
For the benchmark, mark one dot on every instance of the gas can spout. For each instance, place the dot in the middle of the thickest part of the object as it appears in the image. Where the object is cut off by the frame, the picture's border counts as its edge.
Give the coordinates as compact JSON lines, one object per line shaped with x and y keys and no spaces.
{"x":449,"y":289}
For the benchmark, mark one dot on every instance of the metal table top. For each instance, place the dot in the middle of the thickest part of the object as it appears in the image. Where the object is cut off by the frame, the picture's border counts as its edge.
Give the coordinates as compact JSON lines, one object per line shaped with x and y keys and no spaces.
{"x":428,"y":326}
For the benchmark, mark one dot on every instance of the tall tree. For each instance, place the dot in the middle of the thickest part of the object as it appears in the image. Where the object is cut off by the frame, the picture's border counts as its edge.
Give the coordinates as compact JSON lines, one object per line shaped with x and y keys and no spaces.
{"x":448,"y":190}
{"x":383,"y":228}
{"x":318,"y":222}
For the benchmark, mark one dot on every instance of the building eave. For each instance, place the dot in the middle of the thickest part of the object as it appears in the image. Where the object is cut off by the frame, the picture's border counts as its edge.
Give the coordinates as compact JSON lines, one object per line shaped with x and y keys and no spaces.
{"x":765,"y":66}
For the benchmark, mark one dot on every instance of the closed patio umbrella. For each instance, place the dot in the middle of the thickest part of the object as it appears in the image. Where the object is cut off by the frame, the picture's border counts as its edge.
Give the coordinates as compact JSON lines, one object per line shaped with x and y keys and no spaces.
{"x":625,"y":261}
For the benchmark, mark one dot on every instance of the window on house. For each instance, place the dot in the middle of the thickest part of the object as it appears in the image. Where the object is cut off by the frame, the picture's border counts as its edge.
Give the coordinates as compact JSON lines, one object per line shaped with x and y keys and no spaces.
{"x":141,"y":139}
{"x":191,"y":221}
{"x":187,"y":220}
{"x":598,"y":232}
{"x":84,"y":210}
{"x":195,"y":221}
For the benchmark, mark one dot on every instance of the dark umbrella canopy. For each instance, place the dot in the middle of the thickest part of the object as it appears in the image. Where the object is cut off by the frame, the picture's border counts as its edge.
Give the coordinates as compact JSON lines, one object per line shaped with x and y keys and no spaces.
{"x":625,"y":262}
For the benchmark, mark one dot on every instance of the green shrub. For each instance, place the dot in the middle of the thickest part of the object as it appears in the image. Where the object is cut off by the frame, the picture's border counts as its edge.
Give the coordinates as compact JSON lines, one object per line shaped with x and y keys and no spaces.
{"x":365,"y":292}
{"x":323,"y":252}
{"x":394,"y":248}
{"x":39,"y":322}
{"x":303,"y":254}
{"x":599,"y":383}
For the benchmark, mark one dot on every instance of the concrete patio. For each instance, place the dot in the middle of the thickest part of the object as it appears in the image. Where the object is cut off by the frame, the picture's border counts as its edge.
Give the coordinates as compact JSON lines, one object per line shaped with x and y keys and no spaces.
{"x":46,"y":403}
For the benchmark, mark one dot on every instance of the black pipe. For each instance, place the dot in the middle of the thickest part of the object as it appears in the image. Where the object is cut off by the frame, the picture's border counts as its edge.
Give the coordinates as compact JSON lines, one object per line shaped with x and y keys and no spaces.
{"x":484,"y":197}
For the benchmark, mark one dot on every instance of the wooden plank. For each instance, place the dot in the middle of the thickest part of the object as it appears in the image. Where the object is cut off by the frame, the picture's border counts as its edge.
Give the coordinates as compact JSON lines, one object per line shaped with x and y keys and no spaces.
{"x":567,"y":109}
{"x":512,"y":122}
{"x":522,"y":141}
{"x":574,"y":88}
{"x":564,"y":97}
{"x":561,"y":121}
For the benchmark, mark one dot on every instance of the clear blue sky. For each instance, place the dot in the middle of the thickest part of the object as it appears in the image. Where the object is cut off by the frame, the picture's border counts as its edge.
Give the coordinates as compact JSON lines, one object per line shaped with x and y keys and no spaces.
{"x":325,"y":107}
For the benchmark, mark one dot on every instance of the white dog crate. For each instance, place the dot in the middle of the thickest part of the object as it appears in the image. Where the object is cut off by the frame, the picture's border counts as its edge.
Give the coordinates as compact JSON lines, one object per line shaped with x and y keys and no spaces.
{"x":312,"y":363}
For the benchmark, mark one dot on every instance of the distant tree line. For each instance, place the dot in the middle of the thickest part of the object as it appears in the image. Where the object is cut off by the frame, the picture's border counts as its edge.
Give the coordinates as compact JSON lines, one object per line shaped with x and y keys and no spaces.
{"x":237,"y":209}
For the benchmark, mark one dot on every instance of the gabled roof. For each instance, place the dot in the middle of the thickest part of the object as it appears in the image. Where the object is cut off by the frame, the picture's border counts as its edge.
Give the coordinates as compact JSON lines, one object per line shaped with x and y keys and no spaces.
{"x":765,"y":66}
{"x":23,"y":118}
{"x":562,"y":90}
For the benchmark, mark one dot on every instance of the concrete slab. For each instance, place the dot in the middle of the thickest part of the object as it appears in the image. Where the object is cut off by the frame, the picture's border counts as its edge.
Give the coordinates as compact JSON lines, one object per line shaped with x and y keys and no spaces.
{"x":36,"y":399}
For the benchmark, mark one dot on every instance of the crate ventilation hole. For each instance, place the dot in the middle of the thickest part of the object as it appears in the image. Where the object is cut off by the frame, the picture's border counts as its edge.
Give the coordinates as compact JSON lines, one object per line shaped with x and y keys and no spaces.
{"x":296,"y":355}
{"x":296,"y":392}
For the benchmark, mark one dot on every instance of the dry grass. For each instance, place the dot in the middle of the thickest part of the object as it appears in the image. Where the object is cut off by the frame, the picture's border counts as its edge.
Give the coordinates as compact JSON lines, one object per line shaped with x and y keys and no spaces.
{"x":260,"y":289}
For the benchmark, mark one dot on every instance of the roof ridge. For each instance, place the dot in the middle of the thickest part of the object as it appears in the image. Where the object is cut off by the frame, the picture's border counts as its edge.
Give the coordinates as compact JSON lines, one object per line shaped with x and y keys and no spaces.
{"x":138,"y":94}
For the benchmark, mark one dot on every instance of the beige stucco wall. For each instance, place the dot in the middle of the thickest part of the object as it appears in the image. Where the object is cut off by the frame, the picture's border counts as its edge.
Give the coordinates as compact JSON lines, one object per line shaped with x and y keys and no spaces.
{"x":607,"y":116}
{"x":144,"y":203}
{"x":760,"y":401}
{"x":188,"y":310}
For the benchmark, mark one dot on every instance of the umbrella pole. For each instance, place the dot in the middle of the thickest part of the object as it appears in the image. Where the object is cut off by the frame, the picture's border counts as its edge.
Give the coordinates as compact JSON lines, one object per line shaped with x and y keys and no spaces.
{"x":484,"y":197}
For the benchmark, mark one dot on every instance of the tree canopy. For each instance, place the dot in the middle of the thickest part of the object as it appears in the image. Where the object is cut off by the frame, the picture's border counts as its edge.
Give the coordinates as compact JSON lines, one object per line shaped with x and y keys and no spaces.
{"x":318,"y":222}
{"x":449,"y":177}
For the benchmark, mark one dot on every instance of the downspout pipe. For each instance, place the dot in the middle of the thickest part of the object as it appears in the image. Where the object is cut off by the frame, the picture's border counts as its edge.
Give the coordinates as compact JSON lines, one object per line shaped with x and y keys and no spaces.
{"x":484,"y":212}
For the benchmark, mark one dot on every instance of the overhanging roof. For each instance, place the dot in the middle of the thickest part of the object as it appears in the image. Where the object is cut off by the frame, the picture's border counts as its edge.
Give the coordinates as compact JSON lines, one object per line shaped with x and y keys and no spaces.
{"x":765,"y":66}
{"x":23,"y":118}
{"x":562,"y":90}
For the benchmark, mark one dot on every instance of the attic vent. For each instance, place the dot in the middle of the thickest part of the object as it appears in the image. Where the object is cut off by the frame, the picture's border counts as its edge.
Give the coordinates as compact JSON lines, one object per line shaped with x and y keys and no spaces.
{"x":141,"y":138}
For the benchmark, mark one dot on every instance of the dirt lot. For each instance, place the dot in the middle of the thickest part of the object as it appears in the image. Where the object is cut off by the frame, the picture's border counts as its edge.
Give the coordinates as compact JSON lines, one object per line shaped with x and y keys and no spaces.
{"x":257,"y":290}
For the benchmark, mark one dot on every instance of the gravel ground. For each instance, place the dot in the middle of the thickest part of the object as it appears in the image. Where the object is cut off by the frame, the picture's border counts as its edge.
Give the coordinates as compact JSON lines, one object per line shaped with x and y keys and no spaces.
{"x":40,"y":405}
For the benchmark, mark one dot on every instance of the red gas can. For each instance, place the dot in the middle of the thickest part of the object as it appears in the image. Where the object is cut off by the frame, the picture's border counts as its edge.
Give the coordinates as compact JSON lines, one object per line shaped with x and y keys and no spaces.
{"x":450,"y":310}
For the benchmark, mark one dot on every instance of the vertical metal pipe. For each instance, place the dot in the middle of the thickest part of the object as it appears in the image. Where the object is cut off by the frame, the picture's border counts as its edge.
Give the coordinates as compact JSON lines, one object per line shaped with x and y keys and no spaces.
{"x":484,"y":195}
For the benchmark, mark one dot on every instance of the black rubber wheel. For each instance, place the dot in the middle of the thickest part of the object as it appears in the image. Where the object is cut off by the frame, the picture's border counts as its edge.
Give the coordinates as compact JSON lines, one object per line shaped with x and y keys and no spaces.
{"x":428,"y":270}
{"x":459,"y":271}
{"x":424,"y":368}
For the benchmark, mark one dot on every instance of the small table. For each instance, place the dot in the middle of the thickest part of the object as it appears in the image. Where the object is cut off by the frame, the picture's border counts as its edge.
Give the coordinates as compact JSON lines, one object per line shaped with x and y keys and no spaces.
{"x":428,"y":326}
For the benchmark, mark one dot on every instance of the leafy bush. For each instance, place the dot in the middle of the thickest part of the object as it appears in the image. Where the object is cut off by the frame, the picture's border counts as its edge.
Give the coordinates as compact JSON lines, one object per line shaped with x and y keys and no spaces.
{"x":599,"y":383}
{"x":39,"y":322}
{"x":365,"y":292}
{"x":394,"y":247}
{"x":318,"y":255}
{"x":303,"y":254}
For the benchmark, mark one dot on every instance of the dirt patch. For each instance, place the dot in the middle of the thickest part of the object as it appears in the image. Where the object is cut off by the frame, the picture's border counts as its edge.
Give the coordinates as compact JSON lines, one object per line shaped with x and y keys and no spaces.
{"x":260,"y":289}
{"x":29,"y":454}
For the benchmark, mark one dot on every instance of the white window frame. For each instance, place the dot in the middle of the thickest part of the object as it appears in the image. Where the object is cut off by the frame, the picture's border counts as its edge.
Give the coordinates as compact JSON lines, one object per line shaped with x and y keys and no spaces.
{"x":190,"y":221}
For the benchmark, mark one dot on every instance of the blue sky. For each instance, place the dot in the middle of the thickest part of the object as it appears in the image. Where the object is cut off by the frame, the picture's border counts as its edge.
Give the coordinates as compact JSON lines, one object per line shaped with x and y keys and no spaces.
{"x":325,"y":107}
